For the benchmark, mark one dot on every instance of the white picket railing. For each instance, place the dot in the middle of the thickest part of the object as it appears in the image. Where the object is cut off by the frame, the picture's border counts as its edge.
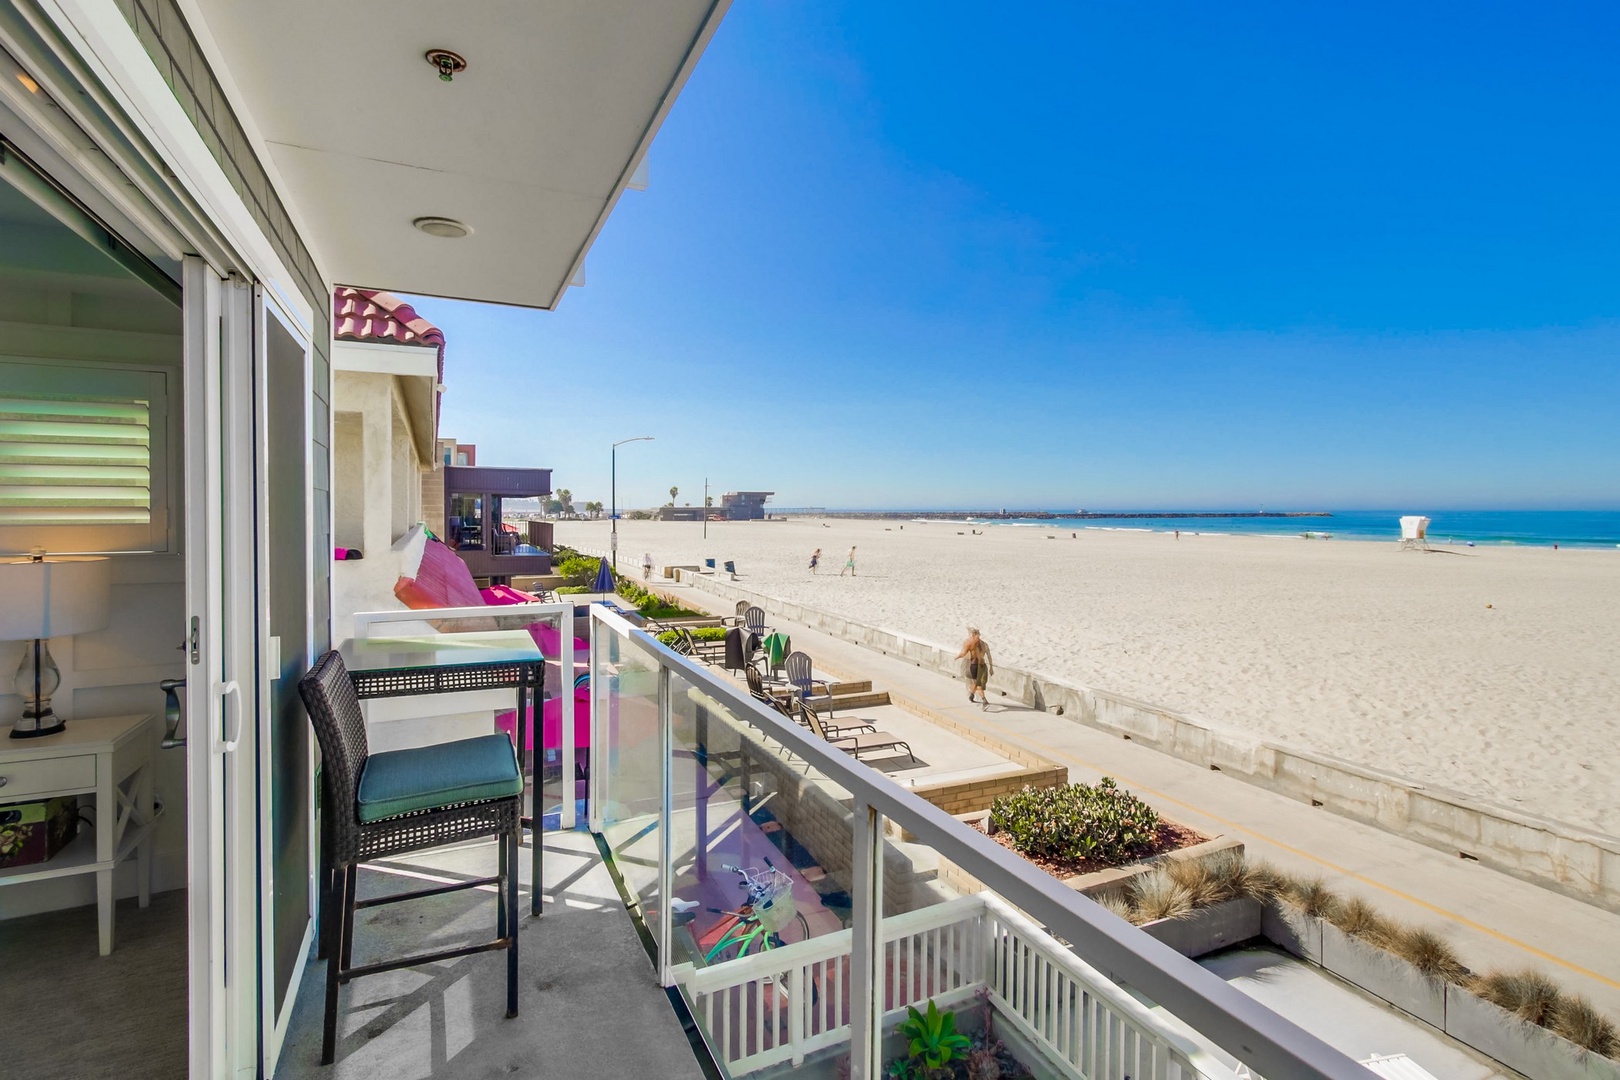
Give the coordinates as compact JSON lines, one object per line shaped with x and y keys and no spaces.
{"x":786,"y":1003}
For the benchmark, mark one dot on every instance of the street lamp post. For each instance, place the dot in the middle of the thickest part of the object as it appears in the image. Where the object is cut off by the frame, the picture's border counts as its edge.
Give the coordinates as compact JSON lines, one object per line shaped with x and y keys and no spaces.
{"x":613,"y":512}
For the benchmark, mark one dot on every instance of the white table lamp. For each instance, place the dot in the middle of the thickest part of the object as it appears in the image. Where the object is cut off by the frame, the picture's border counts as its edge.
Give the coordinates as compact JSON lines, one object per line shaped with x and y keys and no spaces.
{"x":42,"y":597}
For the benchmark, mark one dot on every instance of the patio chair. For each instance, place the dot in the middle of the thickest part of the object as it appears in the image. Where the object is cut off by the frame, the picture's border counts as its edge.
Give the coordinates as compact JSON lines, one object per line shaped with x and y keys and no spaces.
{"x":687,"y":644}
{"x":760,"y":669}
{"x":385,"y":804}
{"x":731,"y":568}
{"x":754,"y":619}
{"x":736,"y":619}
{"x":854,"y":745}
{"x":758,"y":691}
{"x":800,"y":673}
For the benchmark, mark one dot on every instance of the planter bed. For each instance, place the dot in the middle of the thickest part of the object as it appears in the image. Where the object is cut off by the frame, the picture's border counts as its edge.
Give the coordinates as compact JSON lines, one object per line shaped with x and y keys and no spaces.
{"x":1535,"y":1051}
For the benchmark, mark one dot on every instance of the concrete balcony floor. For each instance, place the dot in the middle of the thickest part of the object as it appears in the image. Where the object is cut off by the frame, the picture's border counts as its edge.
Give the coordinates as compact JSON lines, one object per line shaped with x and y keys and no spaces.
{"x":589,"y":1004}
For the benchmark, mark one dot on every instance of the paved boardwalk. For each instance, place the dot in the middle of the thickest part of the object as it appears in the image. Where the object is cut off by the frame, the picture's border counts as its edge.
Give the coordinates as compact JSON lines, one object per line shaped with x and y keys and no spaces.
{"x":1492,"y":919}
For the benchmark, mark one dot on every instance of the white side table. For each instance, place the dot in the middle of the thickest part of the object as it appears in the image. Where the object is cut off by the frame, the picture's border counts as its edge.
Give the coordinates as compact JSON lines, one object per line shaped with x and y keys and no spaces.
{"x":111,"y":758}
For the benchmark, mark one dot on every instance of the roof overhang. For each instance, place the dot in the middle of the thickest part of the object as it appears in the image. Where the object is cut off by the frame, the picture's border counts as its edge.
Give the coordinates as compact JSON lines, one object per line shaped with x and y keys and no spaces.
{"x":531,"y":146}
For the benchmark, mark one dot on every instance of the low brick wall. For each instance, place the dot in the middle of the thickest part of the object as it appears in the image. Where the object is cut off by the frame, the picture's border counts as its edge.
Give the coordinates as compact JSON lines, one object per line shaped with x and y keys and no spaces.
{"x":1575,"y":861}
{"x":969,"y":796}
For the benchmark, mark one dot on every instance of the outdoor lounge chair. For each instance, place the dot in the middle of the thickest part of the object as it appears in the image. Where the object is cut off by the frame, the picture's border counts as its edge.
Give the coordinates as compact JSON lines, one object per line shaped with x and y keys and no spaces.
{"x":386,"y":804}
{"x":854,"y":745}
{"x":731,"y":568}
{"x":792,"y":710}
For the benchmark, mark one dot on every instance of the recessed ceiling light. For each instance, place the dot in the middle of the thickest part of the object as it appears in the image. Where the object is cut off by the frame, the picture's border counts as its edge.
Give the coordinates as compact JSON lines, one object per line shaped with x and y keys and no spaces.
{"x":448,"y":228}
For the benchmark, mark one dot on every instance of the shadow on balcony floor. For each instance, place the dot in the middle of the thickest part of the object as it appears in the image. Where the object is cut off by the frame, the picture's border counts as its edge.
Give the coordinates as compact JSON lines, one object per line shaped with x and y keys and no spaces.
{"x":589,"y":1003}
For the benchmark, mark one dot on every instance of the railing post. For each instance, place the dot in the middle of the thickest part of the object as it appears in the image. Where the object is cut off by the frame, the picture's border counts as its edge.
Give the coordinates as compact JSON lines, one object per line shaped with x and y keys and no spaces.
{"x":666,"y":788}
{"x":866,"y":975}
{"x":798,"y":1004}
{"x":565,"y":678}
{"x":596,"y":781}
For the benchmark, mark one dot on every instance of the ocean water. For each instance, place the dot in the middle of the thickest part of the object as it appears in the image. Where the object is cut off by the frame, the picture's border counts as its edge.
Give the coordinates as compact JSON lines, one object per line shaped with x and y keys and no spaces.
{"x":1567,"y":528}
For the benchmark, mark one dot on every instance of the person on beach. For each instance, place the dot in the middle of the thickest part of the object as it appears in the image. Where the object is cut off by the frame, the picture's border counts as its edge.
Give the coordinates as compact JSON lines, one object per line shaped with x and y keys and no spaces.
{"x":975,"y":657}
{"x":646,"y":566}
{"x":849,"y":564}
{"x":815,"y":560}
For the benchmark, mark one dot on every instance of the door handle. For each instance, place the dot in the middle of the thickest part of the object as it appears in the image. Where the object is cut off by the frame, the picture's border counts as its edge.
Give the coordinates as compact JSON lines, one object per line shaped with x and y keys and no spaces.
{"x":172,"y":713}
{"x":223,"y":691}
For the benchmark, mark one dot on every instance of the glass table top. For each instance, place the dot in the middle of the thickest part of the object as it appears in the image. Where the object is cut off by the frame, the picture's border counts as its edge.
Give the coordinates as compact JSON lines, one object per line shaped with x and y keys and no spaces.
{"x":439,"y":650}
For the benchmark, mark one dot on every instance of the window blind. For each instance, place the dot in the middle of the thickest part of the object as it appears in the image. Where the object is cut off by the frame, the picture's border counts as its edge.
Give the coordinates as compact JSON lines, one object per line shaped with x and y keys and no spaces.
{"x":68,"y":460}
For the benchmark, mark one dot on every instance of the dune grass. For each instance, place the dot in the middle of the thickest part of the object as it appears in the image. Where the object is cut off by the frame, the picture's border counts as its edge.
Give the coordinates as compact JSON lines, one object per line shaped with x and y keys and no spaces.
{"x":1177,"y":888}
{"x":1576,"y":1020}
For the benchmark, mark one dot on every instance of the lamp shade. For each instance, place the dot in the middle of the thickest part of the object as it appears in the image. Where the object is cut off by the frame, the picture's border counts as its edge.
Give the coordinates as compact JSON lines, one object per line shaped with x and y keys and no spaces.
{"x":53,"y":597}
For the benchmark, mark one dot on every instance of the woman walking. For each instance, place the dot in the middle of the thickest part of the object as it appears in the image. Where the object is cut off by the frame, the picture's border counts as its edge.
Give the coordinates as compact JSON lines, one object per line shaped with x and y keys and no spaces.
{"x":849,"y":564}
{"x":815,"y":560}
{"x":975,"y":657}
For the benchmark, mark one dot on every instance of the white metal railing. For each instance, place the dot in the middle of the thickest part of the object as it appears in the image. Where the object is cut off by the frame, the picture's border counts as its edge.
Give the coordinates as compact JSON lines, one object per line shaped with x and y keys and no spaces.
{"x":1091,"y":1016}
{"x":783,"y":1005}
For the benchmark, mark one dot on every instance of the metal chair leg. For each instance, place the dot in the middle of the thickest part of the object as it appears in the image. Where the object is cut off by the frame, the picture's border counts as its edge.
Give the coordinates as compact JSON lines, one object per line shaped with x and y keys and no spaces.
{"x":509,"y":861}
{"x":351,"y":886}
{"x":336,"y":904}
{"x":500,"y":893}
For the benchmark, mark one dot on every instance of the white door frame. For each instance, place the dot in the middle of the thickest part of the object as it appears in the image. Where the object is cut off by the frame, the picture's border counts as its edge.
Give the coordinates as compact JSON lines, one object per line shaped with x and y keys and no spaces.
{"x":266,"y":307}
{"x":220,"y":805}
{"x":205,"y":673}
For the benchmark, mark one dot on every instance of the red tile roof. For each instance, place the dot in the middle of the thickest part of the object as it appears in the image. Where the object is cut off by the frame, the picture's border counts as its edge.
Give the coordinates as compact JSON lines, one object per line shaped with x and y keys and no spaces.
{"x":374,"y":315}
{"x":377,"y":316}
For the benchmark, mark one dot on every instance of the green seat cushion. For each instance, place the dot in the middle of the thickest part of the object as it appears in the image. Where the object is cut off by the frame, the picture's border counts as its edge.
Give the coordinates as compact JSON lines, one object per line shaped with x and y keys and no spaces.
{"x":469,"y":770}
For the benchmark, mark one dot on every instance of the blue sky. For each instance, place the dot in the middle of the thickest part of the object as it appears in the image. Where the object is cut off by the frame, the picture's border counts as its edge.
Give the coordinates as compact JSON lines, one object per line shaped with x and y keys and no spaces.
{"x":1104,"y":255}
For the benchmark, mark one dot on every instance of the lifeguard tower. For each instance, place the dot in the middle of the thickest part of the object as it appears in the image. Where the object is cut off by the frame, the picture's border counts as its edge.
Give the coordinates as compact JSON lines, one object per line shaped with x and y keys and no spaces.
{"x":1414,"y":533}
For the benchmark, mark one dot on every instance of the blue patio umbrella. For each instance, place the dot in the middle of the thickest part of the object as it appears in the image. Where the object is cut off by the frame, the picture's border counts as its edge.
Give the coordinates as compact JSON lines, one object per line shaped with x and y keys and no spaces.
{"x":604,"y":578}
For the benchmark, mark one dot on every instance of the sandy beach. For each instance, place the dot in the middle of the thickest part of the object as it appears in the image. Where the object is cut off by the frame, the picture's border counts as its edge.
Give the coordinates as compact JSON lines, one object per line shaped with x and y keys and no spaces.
{"x":1492,"y":671}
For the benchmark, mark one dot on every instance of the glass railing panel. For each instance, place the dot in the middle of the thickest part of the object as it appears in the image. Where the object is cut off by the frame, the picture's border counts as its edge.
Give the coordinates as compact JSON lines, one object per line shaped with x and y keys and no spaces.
{"x":762,"y":850}
{"x":628,"y":758}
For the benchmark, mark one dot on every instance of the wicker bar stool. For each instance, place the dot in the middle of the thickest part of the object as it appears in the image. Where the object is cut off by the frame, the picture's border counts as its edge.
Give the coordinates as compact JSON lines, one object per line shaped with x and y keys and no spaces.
{"x":401,"y":801}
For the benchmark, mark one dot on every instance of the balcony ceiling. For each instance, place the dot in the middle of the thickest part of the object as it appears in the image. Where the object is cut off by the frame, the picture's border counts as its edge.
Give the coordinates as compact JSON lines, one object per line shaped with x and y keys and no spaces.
{"x":530,"y":146}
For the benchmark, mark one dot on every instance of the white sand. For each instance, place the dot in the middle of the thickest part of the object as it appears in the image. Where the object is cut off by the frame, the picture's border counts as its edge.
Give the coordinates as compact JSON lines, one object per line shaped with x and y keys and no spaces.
{"x":1490,"y":671}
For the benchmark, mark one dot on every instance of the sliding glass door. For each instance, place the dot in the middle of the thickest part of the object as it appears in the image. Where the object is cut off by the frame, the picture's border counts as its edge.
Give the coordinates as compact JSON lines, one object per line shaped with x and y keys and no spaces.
{"x":285,"y":514}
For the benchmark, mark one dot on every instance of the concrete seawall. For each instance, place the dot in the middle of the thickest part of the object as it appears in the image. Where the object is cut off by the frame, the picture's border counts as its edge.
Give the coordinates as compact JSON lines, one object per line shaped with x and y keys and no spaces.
{"x":1575,"y":861}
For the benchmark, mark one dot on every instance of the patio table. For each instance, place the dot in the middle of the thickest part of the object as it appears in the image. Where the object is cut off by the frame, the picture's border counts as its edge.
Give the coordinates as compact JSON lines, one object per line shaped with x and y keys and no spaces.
{"x":385,"y":667}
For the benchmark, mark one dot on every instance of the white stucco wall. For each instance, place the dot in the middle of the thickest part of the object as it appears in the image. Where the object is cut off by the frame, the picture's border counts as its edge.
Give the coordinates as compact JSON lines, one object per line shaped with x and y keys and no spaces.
{"x":378,"y":490}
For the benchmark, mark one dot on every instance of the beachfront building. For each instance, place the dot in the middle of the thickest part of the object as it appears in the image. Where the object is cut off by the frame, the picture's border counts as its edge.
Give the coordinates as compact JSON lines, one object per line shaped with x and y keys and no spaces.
{"x":744,"y":505}
{"x":387,"y":375}
{"x":180,"y":199}
{"x":490,"y":543}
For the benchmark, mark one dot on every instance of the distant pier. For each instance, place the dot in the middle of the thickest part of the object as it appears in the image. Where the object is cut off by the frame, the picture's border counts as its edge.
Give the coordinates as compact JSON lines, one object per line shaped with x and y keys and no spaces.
{"x":1036,"y":515}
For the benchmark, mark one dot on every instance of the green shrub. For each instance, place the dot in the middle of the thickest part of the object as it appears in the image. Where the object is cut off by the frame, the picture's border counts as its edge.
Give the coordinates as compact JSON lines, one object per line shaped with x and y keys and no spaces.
{"x":571,"y":590}
{"x":1080,"y":821}
{"x":655,"y":608}
{"x":699,"y":633}
{"x":576,"y":569}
